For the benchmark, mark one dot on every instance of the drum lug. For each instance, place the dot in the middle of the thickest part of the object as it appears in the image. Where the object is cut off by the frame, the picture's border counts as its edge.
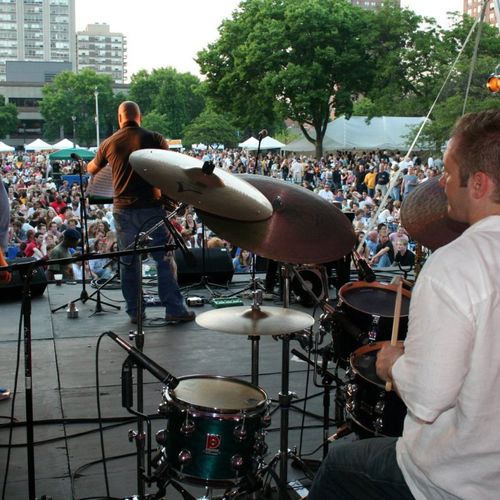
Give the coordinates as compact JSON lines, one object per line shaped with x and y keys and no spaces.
{"x":378,"y":424}
{"x":237,"y":462}
{"x":187,"y":428}
{"x":379,"y":407}
{"x":184,"y":457}
{"x":260,"y":446}
{"x":161,"y":437}
{"x":373,"y":333}
{"x":240,"y":433}
{"x":352,"y":389}
{"x":350,"y":406}
{"x":266,"y":420}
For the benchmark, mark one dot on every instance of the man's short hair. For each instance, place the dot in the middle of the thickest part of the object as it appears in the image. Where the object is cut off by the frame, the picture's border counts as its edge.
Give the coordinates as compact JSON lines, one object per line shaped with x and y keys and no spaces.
{"x":476,"y":142}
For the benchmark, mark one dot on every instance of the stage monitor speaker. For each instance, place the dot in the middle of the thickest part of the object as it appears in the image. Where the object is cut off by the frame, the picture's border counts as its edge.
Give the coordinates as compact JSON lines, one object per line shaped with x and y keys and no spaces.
{"x":14,"y":290}
{"x":218,"y":266}
{"x":315,"y":279}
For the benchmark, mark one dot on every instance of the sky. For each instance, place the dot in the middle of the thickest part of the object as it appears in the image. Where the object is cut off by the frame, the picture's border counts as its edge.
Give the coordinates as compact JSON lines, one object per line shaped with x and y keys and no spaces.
{"x":162,"y":33}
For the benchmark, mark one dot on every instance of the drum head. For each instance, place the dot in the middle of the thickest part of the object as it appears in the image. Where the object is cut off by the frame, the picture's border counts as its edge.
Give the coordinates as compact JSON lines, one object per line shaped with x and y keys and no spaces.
{"x":220,"y":394}
{"x":374,"y":298}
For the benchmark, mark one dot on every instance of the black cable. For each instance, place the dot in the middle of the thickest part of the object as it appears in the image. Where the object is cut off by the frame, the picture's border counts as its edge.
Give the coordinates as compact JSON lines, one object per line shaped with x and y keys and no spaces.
{"x":13,"y":403}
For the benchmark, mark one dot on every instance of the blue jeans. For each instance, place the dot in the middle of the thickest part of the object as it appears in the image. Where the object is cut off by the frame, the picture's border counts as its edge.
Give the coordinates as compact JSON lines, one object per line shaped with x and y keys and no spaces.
{"x":360,"y":470}
{"x":129,"y":222}
{"x":383,"y":261}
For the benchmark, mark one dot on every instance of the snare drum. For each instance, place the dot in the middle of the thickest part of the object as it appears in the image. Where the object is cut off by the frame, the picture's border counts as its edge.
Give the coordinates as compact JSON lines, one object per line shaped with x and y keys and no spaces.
{"x":215,"y":431}
{"x":370,"y":306}
{"x":372,"y":410}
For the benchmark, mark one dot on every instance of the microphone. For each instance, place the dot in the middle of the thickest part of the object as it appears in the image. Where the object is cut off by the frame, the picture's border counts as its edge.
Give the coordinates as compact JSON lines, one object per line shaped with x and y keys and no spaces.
{"x":263,"y":133}
{"x":365,"y":271}
{"x":147,"y":363}
{"x":76,"y":157}
{"x":342,"y":324}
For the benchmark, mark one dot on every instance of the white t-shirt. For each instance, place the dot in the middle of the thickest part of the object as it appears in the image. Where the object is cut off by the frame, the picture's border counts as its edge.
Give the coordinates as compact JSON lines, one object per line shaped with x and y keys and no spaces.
{"x":449,"y":375}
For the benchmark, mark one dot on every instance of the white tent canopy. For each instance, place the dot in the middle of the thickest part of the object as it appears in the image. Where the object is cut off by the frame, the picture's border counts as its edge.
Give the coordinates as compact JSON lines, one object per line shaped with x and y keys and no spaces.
{"x":63,"y":144}
{"x":267,"y":143}
{"x":385,"y":132}
{"x":37,"y":145}
{"x":250,"y":143}
{"x":5,"y":148}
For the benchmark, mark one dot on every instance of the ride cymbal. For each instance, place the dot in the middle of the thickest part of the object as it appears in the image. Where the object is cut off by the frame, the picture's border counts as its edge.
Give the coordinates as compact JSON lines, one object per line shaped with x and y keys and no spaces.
{"x":303,"y":229}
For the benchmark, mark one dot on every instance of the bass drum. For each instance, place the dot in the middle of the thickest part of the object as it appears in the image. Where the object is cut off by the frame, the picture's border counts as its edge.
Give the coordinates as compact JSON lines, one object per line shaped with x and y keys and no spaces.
{"x":371,"y":410}
{"x":370,"y":306}
{"x":215,"y":430}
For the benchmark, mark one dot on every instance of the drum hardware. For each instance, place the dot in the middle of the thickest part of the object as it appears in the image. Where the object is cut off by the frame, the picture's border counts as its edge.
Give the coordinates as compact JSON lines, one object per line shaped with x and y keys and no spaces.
{"x":371,"y":410}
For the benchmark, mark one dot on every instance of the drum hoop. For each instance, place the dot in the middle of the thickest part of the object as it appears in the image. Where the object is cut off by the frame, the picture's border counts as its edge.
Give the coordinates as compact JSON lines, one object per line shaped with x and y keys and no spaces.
{"x":375,"y":285}
{"x":364,"y":427}
{"x":213,"y":412}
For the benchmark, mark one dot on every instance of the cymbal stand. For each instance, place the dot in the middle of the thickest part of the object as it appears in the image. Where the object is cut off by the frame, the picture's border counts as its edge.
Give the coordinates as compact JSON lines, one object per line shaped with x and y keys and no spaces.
{"x":84,"y":296}
{"x":204,"y":281}
{"x":285,"y":396}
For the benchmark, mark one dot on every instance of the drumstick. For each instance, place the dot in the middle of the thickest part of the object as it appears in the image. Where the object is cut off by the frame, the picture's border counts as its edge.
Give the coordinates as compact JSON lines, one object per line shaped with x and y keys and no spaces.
{"x":395,"y":324}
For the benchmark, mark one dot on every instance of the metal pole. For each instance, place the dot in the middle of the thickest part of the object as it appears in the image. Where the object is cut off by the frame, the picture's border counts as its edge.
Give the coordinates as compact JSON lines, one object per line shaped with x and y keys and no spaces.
{"x":74,"y":130}
{"x":96,"y":94}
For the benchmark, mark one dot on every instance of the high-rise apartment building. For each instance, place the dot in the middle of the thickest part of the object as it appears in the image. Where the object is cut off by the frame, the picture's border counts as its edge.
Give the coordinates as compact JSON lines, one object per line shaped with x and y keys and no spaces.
{"x":492,"y":14}
{"x":373,"y":4}
{"x":36,"y":30}
{"x":105,"y":52}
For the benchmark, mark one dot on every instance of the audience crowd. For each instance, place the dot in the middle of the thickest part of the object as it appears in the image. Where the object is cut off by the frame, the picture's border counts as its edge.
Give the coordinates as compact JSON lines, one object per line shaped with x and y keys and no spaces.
{"x":46,"y":217}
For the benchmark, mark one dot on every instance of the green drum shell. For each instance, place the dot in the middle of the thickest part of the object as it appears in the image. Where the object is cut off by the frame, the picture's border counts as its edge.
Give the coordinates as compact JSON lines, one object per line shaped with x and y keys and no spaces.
{"x":216,"y":408}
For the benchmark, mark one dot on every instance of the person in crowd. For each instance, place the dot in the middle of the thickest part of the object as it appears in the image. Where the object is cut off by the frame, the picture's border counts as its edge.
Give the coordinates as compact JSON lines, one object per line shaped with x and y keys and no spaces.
{"x":384,"y":254}
{"x":243,"y":262}
{"x":447,"y":370}
{"x":410,"y":182}
{"x":99,"y":268}
{"x":326,"y":193}
{"x":382,"y":179}
{"x":137,"y":207}
{"x":404,"y":257}
{"x":71,"y":237}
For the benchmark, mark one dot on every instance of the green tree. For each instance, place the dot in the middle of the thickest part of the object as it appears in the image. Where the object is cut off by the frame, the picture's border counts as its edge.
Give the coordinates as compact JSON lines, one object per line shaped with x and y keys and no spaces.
{"x":157,"y":122}
{"x":176,"y":96}
{"x":71,"y":94}
{"x":293,"y":59}
{"x":211,"y":128}
{"x":8,"y":117}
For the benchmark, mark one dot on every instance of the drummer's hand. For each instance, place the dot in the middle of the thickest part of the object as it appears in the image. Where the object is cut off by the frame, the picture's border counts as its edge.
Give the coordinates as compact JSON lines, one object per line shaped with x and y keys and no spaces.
{"x":386,"y":357}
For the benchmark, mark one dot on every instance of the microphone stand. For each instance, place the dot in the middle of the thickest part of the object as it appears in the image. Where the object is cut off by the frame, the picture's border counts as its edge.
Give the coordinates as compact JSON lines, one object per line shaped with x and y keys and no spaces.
{"x":84,"y":296}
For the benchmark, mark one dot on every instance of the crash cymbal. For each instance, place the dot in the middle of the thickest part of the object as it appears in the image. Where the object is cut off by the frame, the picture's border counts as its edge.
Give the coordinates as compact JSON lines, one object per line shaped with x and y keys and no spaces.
{"x":181,"y":178}
{"x":424,"y":215}
{"x":304,"y":228}
{"x":244,"y":320}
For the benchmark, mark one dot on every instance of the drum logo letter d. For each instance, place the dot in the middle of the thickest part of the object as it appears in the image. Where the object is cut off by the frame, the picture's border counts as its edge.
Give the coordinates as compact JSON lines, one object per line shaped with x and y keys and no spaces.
{"x":212,"y":444}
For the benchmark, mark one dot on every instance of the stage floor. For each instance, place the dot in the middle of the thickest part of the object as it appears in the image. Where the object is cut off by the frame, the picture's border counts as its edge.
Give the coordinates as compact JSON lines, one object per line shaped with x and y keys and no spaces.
{"x":64,"y":358}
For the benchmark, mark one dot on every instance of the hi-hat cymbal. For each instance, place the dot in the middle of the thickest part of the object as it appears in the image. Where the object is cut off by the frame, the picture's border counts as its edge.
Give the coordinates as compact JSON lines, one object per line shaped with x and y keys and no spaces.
{"x":304,"y":228}
{"x":244,"y":320}
{"x":181,"y":178}
{"x":424,"y":215}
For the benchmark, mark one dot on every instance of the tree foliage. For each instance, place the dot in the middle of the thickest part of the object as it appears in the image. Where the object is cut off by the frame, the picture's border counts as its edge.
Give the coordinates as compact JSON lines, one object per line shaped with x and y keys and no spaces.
{"x":8,"y":117}
{"x":174,"y":96}
{"x":211,"y":128}
{"x":71,"y":94}
{"x":293,"y":59}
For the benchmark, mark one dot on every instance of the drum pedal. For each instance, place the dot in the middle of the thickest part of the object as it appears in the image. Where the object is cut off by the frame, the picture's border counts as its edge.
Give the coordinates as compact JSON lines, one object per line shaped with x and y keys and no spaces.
{"x":226,"y":302}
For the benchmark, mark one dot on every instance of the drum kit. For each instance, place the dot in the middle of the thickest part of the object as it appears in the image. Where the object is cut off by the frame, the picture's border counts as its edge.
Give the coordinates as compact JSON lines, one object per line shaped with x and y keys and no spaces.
{"x":215,"y":432}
